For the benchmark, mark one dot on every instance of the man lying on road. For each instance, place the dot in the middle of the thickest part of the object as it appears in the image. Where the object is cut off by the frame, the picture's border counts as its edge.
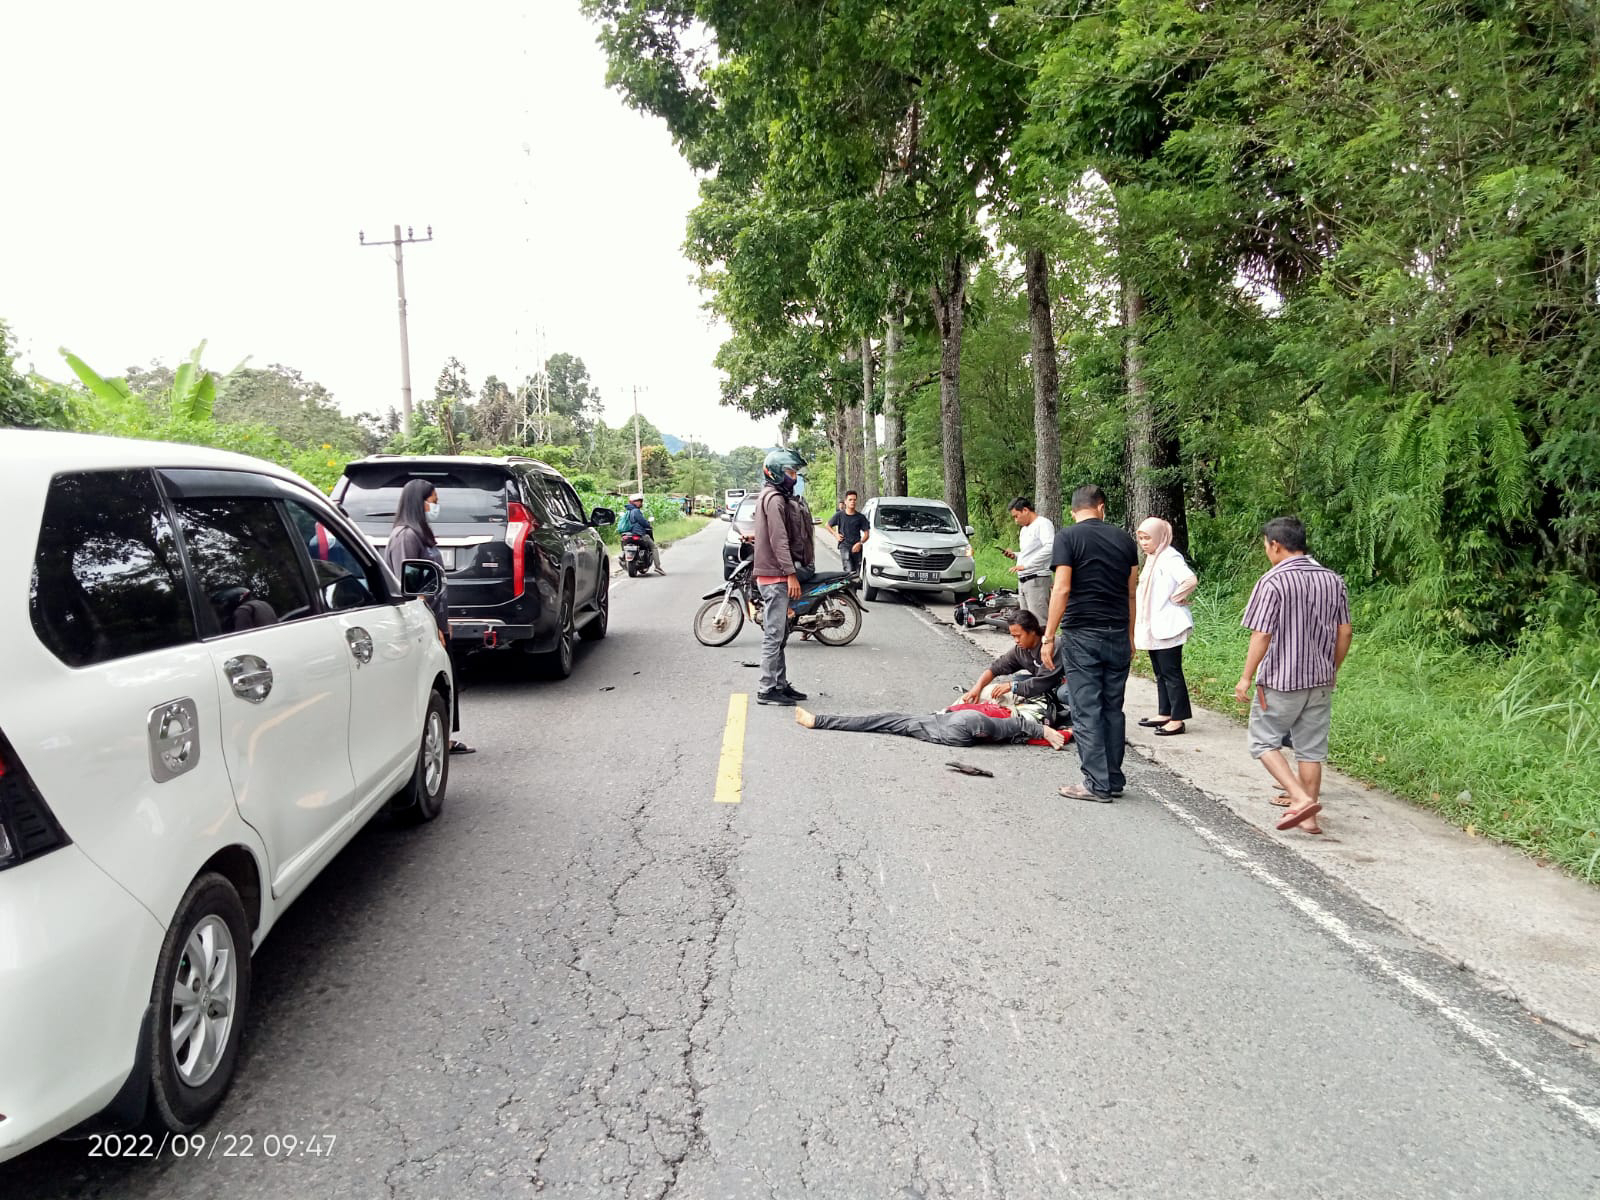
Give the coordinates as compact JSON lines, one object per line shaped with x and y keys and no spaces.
{"x":1020,"y":671}
{"x":964,"y":725}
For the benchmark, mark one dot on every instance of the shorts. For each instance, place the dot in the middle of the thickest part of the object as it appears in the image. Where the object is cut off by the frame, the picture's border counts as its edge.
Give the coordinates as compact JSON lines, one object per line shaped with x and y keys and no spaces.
{"x":1305,"y":716}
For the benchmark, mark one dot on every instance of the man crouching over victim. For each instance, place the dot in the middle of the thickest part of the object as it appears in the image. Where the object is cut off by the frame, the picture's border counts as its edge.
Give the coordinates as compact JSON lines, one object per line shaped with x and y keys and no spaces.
{"x":1018,"y":672}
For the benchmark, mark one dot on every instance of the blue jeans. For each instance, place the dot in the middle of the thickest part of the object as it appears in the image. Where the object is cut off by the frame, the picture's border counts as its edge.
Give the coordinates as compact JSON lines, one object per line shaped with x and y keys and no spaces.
{"x":1097,"y":662}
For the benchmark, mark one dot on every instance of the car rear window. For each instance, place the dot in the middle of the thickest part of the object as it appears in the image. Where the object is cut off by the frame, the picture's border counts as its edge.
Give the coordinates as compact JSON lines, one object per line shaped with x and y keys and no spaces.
{"x":107,"y":580}
{"x":907,"y":518}
{"x":467,"y":495}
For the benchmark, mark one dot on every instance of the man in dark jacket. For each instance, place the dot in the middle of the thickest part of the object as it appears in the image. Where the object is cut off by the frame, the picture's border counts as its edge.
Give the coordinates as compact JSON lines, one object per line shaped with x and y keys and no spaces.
{"x":634,"y":521}
{"x":1020,"y":671}
{"x":784,"y":552}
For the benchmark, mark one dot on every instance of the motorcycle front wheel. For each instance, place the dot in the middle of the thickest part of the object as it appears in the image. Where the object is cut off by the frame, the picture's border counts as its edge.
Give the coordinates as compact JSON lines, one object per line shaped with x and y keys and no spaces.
{"x":844,"y":611}
{"x":718,"y":622}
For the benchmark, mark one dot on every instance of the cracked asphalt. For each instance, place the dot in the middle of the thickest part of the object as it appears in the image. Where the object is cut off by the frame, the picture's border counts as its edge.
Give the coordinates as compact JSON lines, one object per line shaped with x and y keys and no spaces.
{"x":874,"y":977}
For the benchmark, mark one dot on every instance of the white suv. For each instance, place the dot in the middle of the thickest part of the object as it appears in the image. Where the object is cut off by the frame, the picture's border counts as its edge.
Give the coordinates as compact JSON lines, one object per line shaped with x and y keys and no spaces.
{"x":212,"y":682}
{"x":915,"y":545}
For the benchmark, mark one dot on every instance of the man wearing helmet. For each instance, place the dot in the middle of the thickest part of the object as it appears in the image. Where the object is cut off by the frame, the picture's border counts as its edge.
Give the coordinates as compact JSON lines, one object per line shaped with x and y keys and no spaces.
{"x":784,"y":552}
{"x":634,"y":521}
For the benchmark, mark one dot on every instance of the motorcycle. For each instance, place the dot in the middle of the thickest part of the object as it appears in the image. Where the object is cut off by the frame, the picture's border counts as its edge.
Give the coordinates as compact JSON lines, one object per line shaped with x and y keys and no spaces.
{"x":992,"y":608}
{"x":826,"y":609}
{"x":636,"y":556}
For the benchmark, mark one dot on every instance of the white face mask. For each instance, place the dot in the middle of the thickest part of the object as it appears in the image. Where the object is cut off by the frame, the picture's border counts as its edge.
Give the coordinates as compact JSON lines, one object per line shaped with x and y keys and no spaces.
{"x":432,"y":510}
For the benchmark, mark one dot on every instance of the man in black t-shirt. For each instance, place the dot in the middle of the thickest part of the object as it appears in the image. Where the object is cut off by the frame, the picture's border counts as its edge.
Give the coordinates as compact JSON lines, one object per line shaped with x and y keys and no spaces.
{"x":1092,"y":605}
{"x":851,"y":528}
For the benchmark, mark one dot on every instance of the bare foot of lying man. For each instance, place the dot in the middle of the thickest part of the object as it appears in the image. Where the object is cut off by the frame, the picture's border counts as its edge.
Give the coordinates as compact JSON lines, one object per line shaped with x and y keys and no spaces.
{"x":962,"y":727}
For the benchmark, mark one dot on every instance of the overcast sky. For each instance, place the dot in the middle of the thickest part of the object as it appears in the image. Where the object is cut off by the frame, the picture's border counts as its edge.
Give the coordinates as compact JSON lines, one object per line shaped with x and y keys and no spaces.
{"x":178,"y":171}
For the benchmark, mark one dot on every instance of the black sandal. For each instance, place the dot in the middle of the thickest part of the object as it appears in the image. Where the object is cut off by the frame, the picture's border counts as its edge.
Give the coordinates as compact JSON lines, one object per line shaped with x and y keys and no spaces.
{"x":462,"y":748}
{"x":1153,"y":722}
{"x":1163,"y":731}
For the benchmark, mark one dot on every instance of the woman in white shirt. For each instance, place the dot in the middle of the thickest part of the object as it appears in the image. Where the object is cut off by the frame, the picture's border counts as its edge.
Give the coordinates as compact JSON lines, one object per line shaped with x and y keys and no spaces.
{"x":1162,"y":622}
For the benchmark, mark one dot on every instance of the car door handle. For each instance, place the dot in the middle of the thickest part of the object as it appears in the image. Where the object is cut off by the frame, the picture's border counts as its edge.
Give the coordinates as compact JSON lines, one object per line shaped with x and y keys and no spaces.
{"x":360,"y":643}
{"x":250,"y":677}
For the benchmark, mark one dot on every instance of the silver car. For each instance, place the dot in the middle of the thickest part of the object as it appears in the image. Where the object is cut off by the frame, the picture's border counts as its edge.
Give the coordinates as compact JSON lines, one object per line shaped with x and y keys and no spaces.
{"x":915,"y":545}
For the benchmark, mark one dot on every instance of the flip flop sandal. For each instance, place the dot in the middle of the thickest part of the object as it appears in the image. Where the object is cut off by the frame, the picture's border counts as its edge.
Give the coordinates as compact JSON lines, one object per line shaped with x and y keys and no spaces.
{"x":462,"y":748}
{"x":1294,"y":818}
{"x":1281,"y":800}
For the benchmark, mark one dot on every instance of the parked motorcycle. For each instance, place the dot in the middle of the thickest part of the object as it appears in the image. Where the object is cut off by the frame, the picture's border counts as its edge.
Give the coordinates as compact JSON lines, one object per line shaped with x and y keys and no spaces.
{"x":826,"y":609}
{"x":636,"y":556}
{"x":992,"y":608}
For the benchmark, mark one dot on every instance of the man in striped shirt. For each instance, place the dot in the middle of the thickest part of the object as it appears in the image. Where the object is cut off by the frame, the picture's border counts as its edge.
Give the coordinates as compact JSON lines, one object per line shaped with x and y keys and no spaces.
{"x":1299,"y":618}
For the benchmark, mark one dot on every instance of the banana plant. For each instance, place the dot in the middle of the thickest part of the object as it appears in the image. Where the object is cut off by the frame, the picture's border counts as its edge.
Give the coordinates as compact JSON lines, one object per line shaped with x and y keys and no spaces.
{"x":192,"y":399}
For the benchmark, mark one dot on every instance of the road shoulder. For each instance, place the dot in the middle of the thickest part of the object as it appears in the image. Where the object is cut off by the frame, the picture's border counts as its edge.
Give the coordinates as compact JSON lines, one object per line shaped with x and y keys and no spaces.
{"x":1531,"y":933}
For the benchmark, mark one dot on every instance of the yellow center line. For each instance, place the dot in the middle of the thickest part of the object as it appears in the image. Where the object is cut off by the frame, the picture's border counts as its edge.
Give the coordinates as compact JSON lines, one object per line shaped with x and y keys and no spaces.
{"x":730,"y":770}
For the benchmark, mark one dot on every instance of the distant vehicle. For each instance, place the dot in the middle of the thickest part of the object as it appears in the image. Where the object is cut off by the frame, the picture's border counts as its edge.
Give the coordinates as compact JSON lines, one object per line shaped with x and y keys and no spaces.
{"x":212,"y":684}
{"x":916,"y":546}
{"x":705,"y":506}
{"x":525,"y":564}
{"x":732,"y":496}
{"x":740,"y":540}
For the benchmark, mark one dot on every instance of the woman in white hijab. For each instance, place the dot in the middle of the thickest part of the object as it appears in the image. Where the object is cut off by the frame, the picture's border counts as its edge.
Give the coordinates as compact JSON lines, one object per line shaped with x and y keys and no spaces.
{"x":1162,"y":622}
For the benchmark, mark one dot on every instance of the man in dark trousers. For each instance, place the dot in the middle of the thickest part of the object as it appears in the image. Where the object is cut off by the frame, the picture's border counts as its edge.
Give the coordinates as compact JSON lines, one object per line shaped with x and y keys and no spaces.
{"x":1092,"y":604}
{"x":784,"y":552}
{"x":852,"y":530}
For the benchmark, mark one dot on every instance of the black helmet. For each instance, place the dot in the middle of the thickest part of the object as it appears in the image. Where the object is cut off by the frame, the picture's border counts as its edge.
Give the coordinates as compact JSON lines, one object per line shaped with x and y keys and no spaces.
{"x":779,"y":461}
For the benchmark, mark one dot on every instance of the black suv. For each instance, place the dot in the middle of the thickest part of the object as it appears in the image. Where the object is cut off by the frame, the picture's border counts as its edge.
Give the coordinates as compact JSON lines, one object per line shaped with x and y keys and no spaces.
{"x":525,"y":566}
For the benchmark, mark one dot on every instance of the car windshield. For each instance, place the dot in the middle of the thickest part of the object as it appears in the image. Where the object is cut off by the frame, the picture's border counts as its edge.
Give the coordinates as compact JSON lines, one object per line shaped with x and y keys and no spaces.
{"x":746,"y":510}
{"x":467,"y":495}
{"x":907,"y":518}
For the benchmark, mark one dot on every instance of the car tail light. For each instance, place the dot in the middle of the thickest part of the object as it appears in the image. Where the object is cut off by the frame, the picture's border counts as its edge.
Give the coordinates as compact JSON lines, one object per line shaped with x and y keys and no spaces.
{"x":27,"y":826}
{"x":519,"y":524}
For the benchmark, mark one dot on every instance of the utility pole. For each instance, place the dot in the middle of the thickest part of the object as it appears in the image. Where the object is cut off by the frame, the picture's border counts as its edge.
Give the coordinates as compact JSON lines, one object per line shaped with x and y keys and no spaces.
{"x":638,"y":454}
{"x":400,"y":285}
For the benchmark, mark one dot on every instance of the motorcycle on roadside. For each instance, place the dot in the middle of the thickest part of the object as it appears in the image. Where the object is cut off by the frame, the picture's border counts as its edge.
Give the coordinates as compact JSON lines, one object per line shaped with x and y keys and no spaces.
{"x":993,"y":607}
{"x":636,"y":556}
{"x":826,"y":609}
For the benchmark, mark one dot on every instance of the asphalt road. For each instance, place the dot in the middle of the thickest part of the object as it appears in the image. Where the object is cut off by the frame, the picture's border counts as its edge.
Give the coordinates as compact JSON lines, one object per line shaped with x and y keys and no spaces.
{"x":872,"y":977}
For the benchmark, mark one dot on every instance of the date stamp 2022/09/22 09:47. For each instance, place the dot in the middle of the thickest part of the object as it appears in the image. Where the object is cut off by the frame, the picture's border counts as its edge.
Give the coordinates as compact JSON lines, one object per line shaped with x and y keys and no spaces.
{"x":212,"y":1146}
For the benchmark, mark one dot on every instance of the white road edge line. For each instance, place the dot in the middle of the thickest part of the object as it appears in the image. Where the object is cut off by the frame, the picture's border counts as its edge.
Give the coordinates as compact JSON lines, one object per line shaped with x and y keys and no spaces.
{"x":1342,"y":932}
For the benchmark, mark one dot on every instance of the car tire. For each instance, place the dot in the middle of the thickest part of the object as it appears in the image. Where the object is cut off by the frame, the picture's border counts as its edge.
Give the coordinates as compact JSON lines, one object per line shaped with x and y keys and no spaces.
{"x":208,"y":943}
{"x":558,"y":663}
{"x":422,"y":799}
{"x":596,"y":628}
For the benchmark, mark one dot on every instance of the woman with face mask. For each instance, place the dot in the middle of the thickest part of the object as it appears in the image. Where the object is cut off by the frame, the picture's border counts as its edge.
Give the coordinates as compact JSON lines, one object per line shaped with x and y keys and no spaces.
{"x":412,"y":537}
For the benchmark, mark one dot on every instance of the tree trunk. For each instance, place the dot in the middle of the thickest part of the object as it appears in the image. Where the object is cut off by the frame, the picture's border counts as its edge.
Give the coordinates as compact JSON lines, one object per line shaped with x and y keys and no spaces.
{"x":1046,"y":390}
{"x":1154,"y":459}
{"x":836,"y":435}
{"x":852,"y":430}
{"x":894,"y":459}
{"x":1141,"y":416}
{"x":870,"y":485}
{"x":947,"y":293}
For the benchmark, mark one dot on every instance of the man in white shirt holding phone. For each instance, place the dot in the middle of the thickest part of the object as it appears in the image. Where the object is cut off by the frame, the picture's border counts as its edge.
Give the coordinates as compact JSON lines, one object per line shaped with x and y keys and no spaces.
{"x":1033,"y":558}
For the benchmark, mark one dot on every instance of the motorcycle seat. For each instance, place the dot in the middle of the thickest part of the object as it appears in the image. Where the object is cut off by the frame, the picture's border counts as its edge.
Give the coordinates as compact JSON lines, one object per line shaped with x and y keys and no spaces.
{"x":829,"y":577}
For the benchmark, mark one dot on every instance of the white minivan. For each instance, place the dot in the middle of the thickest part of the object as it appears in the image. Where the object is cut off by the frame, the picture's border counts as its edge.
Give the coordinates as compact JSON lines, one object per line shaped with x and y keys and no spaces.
{"x":212,"y":682}
{"x":915,"y":545}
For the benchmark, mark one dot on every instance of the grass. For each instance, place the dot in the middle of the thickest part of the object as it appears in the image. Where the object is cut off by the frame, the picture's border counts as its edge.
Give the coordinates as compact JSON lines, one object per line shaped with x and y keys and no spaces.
{"x":668,"y":530}
{"x":1505,"y":746}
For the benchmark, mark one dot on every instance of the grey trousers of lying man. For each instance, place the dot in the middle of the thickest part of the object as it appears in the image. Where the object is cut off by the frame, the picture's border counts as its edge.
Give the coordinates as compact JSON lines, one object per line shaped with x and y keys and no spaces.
{"x":966,"y":728}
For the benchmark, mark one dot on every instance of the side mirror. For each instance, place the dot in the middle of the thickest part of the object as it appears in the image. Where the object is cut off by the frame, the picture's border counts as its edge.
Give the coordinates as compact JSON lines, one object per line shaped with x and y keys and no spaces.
{"x":602,"y":516}
{"x":421,"y":577}
{"x":979,"y":581}
{"x":968,"y":530}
